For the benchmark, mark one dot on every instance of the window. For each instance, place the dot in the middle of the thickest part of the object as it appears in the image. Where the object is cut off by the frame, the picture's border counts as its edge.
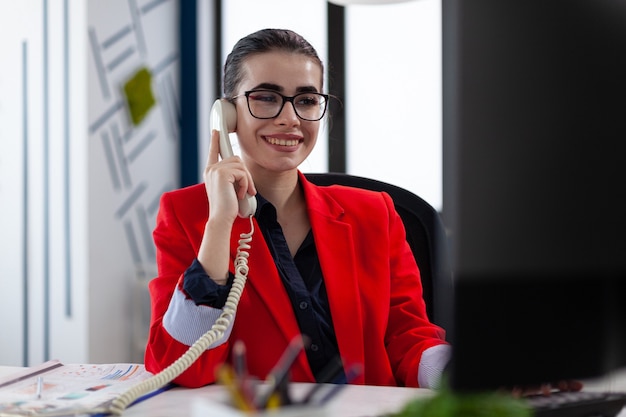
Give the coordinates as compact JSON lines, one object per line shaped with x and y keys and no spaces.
{"x":393,"y":76}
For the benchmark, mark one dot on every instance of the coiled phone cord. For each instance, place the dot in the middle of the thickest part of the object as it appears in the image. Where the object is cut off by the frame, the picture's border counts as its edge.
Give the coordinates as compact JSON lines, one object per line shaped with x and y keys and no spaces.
{"x":119,"y":404}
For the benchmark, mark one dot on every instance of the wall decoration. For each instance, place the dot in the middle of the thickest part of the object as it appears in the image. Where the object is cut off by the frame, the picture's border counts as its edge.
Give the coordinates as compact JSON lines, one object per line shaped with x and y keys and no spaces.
{"x":138,"y":94}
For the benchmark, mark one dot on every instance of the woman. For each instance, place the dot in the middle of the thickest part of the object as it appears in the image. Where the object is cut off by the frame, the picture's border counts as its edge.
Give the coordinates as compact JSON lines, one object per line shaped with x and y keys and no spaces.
{"x":330,"y":263}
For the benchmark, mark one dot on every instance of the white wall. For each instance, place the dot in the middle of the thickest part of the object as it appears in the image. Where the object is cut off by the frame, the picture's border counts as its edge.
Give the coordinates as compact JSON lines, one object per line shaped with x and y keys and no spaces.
{"x":79,"y":184}
{"x":130,"y":166}
{"x":41,"y":300}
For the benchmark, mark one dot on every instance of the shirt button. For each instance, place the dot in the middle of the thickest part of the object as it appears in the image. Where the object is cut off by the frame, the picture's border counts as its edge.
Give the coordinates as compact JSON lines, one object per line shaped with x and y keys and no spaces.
{"x":314,"y":347}
{"x":303,"y":305}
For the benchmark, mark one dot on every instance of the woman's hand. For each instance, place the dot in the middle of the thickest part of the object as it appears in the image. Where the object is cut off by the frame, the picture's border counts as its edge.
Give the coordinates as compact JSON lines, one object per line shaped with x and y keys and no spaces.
{"x":226,"y":182}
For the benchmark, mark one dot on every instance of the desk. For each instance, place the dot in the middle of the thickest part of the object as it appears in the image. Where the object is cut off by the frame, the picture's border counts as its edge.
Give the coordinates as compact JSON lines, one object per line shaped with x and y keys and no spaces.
{"x":353,"y":401}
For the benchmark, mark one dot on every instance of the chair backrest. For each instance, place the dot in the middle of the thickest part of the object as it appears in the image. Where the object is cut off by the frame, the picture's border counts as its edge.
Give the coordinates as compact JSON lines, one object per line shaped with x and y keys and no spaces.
{"x":425,"y":233}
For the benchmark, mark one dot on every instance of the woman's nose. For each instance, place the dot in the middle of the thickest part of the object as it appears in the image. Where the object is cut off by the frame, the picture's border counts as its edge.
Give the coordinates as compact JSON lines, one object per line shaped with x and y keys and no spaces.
{"x":288,"y":115}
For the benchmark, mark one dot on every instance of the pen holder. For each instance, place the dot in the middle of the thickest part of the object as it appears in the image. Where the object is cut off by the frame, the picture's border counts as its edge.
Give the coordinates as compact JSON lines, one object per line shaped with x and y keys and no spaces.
{"x":205,"y":408}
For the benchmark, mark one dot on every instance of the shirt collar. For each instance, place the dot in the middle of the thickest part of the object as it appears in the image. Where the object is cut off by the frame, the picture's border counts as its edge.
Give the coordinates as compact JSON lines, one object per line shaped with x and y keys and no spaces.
{"x":265,"y":209}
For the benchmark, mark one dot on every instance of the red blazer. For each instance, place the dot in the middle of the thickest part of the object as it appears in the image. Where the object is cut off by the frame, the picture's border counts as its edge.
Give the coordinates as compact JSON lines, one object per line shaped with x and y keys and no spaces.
{"x":371,"y":277}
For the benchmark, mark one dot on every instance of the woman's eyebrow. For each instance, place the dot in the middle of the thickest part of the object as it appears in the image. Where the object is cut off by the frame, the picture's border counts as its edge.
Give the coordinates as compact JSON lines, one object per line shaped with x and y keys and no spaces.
{"x":278,"y":88}
{"x":268,"y":86}
{"x":307,"y":89}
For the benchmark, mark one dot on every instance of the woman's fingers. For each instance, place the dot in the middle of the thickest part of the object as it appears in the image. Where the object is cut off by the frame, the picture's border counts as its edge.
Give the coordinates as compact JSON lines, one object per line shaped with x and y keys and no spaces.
{"x":214,"y":148}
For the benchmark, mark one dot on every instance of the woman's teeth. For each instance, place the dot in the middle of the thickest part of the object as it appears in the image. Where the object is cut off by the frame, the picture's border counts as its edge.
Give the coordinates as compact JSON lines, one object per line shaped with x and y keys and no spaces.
{"x":282,"y":142}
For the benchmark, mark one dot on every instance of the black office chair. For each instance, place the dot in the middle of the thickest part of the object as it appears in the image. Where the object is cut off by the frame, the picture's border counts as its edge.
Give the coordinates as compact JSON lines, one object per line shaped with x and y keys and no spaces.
{"x":425,"y":234}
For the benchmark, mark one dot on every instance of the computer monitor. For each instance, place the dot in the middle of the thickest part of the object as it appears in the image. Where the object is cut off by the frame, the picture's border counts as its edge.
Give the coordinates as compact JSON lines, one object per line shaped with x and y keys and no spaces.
{"x":534,"y":132}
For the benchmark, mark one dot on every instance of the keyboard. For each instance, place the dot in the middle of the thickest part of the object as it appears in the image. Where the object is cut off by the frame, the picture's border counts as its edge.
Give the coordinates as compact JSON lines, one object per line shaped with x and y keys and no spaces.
{"x":578,"y":404}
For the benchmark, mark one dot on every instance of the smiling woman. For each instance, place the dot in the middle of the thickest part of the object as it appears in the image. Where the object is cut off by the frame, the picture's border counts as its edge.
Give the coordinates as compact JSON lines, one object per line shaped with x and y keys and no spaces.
{"x":311,"y":273}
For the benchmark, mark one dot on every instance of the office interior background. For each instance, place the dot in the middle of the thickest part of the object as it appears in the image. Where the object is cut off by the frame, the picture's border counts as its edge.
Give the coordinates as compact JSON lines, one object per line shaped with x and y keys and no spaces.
{"x":80,"y":181}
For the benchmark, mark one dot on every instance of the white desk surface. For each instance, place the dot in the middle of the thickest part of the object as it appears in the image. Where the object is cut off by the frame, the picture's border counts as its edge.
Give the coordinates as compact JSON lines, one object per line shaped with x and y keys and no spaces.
{"x":352,"y":401}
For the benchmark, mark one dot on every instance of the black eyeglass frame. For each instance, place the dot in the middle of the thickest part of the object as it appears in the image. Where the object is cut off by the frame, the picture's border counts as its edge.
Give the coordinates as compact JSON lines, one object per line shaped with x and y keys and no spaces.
{"x":285,"y":99}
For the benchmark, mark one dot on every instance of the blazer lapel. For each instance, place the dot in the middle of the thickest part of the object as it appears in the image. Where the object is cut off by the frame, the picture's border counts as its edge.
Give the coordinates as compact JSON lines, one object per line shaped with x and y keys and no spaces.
{"x":334,"y":242}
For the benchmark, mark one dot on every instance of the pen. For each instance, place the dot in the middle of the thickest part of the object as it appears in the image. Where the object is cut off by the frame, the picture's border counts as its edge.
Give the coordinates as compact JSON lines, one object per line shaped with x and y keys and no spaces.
{"x":45,"y":367}
{"x":280,"y":371}
{"x":226,"y":376}
{"x":243,"y":381}
{"x":328,"y":374}
{"x":239,"y":359}
{"x":354,"y":371}
{"x":39,"y":387}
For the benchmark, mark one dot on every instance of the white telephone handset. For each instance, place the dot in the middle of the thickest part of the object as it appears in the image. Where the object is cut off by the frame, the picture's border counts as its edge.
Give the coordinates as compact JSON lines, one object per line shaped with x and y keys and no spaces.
{"x":224,"y":120}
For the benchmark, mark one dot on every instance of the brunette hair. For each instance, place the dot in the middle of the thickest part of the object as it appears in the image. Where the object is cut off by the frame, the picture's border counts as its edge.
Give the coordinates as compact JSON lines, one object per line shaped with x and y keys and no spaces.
{"x":264,"y":40}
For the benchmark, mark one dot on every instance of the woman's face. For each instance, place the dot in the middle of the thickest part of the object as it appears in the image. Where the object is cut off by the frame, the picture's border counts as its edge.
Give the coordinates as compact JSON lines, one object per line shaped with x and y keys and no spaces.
{"x":284,"y":142}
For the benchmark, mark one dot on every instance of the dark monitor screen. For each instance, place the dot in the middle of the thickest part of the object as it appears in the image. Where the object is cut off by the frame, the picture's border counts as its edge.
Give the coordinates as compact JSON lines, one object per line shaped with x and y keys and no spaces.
{"x":534,"y":130}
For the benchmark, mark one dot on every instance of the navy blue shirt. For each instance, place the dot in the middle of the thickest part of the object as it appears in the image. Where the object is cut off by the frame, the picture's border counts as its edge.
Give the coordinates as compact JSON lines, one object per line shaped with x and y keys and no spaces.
{"x":303,"y":281}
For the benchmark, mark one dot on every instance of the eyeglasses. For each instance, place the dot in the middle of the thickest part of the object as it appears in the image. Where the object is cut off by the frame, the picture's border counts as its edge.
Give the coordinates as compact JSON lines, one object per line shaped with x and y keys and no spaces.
{"x":267,"y":104}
